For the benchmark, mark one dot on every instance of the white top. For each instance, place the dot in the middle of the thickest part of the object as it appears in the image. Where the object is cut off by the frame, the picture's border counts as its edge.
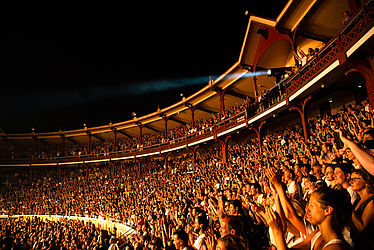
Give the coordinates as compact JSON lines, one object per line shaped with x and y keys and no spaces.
{"x":199,"y":241}
{"x":293,"y":188}
{"x":317,"y":235}
{"x":353,"y":194}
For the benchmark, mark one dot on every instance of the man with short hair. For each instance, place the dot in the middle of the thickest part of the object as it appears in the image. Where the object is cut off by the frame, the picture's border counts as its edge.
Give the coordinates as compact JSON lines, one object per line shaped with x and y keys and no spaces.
{"x":201,"y":225}
{"x":231,"y":225}
{"x":256,"y":193}
{"x":342,"y":175}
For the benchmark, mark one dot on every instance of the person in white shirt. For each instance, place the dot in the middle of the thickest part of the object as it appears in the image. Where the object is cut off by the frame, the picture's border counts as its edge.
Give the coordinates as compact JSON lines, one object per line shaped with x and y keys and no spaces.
{"x":293,"y":189}
{"x":201,"y":225}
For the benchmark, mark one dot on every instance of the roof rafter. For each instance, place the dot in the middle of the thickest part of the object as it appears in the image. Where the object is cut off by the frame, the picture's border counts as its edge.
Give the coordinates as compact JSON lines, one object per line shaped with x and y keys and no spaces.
{"x":205,"y":110}
{"x":124,"y":133}
{"x":151,"y":128}
{"x":177,"y":120}
{"x":235,"y":94}
{"x":98,"y":137}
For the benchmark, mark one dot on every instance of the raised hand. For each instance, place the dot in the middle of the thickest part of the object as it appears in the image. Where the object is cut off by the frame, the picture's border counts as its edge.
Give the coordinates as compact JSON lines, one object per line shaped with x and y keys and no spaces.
{"x":273,"y":220}
{"x":273,"y":177}
{"x":211,"y":240}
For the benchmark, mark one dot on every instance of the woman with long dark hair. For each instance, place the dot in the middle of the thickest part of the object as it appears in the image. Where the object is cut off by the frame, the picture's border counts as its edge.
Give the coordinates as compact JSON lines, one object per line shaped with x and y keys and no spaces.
{"x":330,"y":210}
{"x":363,"y":213}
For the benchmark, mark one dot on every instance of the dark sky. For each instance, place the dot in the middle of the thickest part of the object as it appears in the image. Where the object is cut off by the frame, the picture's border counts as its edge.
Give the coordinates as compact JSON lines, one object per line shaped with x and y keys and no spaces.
{"x":63,"y":66}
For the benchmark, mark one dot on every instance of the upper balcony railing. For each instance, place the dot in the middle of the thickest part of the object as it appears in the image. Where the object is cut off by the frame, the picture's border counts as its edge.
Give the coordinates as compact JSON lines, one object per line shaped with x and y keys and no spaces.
{"x":337,"y":46}
{"x":354,"y":29}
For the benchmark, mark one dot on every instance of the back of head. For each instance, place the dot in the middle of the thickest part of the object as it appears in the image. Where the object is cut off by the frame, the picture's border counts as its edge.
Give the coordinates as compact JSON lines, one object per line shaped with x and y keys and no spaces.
{"x":231,"y":242}
{"x":202,"y":220}
{"x":235,"y":223}
{"x":369,"y":131}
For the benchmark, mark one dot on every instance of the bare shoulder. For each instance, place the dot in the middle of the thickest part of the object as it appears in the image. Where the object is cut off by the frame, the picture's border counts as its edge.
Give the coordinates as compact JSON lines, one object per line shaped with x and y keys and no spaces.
{"x":337,"y":246}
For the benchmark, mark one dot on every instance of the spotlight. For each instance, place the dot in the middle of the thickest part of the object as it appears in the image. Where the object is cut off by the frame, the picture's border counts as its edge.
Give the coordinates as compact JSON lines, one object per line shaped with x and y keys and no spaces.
{"x":278,"y":73}
{"x":359,"y":86}
{"x":133,"y":114}
{"x":330,"y":100}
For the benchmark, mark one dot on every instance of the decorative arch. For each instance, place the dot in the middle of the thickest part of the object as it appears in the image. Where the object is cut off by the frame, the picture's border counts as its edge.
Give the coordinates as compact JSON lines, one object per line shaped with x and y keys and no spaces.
{"x":364,"y":68}
{"x":273,"y":37}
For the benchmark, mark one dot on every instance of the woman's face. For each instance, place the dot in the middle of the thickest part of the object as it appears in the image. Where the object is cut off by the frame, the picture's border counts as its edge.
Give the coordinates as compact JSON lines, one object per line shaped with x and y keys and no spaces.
{"x":357,"y":182}
{"x":314,"y":212}
{"x":339,"y":176}
{"x":329,"y":174}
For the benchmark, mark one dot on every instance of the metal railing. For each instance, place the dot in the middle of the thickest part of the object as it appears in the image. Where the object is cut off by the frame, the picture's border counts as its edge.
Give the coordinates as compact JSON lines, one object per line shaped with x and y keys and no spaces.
{"x":354,"y":28}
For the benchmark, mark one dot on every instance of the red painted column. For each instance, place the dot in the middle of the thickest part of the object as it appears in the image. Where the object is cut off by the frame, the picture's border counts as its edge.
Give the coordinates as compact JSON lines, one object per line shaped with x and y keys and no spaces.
{"x":223,"y":143}
{"x":301,"y":110}
{"x":141,"y":170}
{"x":192,"y":108}
{"x":112,"y":169}
{"x":166,"y":126}
{"x":166,"y":162}
{"x":139,"y":162}
{"x":140,"y":131}
{"x":221,"y":94}
{"x":257,"y":129}
{"x":193,"y":151}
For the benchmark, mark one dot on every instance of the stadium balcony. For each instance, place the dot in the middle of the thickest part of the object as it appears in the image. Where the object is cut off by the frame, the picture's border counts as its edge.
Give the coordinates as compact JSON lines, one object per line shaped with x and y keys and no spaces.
{"x":344,"y":56}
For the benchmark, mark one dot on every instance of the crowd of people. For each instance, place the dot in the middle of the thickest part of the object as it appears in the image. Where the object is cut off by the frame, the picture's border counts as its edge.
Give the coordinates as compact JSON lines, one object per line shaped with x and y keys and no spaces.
{"x":40,"y":150}
{"x":35,"y":233}
{"x":288,"y":193}
{"x":282,"y":192}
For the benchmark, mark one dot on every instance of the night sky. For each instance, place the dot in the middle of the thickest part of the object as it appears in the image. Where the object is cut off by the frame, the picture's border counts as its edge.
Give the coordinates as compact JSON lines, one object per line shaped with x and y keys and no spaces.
{"x":65,"y":66}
